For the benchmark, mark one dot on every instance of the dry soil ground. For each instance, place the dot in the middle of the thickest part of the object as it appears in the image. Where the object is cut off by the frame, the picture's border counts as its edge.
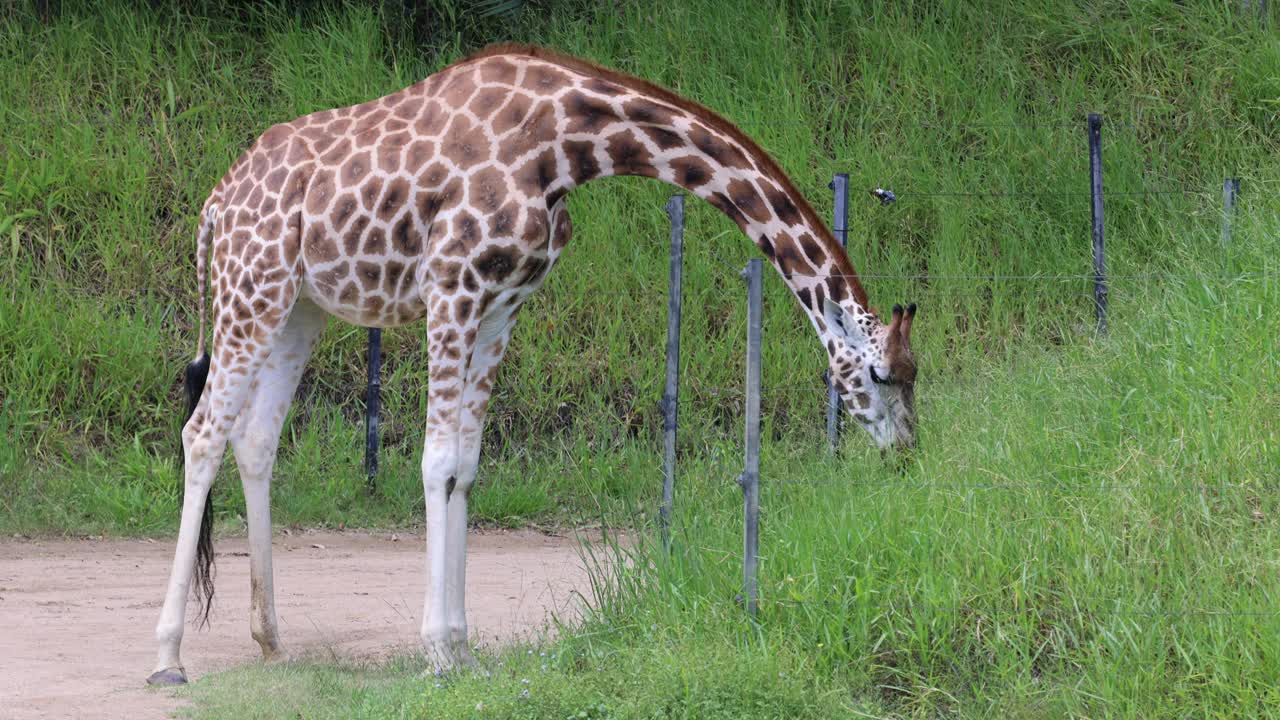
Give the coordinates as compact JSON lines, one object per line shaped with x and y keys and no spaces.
{"x":77,"y":616}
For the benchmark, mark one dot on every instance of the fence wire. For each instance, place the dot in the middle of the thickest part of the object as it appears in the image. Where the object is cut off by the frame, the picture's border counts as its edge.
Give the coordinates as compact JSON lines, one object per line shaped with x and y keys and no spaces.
{"x":867,"y":120}
{"x":1049,"y":193}
{"x":750,"y":479}
{"x":1104,"y":486}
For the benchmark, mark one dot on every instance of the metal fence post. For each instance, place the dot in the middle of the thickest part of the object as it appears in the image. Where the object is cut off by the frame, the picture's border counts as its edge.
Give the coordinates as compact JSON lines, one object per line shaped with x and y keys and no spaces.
{"x":675,"y":211}
{"x":373,"y":405}
{"x":750,"y":478}
{"x":1251,"y":7}
{"x":1230,"y":188}
{"x":840,"y":227}
{"x":1099,"y":246}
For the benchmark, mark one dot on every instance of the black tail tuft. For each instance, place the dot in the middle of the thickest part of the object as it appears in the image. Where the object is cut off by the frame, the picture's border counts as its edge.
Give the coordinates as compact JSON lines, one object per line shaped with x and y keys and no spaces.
{"x":197,"y":374}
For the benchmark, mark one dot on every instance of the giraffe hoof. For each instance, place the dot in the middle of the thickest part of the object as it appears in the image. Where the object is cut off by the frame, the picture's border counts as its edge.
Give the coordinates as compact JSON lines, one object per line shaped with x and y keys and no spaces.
{"x":168,"y":676}
{"x":279,"y":657}
{"x":442,"y":659}
{"x":462,"y":656}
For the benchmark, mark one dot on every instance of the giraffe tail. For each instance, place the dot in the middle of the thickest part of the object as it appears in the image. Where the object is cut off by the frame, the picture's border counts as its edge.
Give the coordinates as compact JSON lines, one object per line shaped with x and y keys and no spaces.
{"x":196,"y":375}
{"x":204,"y":236}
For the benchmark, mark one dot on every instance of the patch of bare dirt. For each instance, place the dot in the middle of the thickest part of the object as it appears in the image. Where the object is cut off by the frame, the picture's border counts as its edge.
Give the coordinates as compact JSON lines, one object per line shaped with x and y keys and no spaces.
{"x":77,"y":617}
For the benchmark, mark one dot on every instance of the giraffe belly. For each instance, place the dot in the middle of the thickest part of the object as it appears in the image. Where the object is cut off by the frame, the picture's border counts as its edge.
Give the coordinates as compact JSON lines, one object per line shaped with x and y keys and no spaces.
{"x":367,"y":293}
{"x":391,"y":315}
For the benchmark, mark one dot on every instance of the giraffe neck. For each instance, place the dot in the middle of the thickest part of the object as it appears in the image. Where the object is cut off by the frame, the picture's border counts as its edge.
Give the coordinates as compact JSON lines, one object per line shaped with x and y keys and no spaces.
{"x":615,"y":125}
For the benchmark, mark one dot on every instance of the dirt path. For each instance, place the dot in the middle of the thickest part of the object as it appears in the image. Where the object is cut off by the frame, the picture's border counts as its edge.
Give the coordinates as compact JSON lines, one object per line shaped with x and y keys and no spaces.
{"x":77,"y":617}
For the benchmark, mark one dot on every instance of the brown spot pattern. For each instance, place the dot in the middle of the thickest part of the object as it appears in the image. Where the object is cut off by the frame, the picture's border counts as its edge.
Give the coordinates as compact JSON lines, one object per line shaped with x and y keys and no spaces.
{"x":691,"y":172}
{"x":544,"y":79}
{"x":588,"y":114}
{"x":370,"y":192}
{"x":465,"y":144}
{"x":487,"y":100}
{"x":512,"y":113}
{"x":487,"y":190}
{"x":582,"y":160}
{"x":539,"y":127}
{"x":744,"y":195}
{"x":466,"y":234}
{"x":355,"y":169}
{"x":393,"y":199}
{"x":375,"y":243}
{"x":645,"y":111}
{"x":629,"y":156}
{"x":537,"y":175}
{"x":405,"y":238}
{"x":342,"y":211}
{"x":717,"y":148}
{"x":497,"y":70}
{"x":390,"y":149}
{"x":496,"y":263}
{"x":319,"y":247}
{"x":419,"y":152}
{"x":369,"y":274}
{"x":783,"y":207}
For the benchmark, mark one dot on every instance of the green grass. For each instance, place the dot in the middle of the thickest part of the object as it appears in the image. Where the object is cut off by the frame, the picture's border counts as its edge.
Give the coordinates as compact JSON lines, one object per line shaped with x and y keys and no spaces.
{"x":1087,"y":530}
{"x":112,"y":140}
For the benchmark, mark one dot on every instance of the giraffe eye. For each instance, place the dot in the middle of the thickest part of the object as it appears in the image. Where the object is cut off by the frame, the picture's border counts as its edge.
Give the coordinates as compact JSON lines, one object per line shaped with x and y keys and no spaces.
{"x":875,"y":377}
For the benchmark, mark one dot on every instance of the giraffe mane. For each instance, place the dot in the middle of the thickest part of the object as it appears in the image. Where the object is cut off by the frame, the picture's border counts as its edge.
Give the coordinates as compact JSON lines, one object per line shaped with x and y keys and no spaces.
{"x":843,"y":265}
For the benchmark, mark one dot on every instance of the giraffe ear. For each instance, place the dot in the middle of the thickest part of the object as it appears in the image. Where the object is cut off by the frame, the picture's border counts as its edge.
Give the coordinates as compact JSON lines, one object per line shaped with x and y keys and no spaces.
{"x":842,"y":325}
{"x":904,"y":330}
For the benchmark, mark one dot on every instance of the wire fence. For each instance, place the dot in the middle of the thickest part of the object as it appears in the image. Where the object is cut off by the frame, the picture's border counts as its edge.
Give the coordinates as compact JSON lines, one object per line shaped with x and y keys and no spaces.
{"x":1101,"y":485}
{"x":750,"y":478}
{"x":869,"y":117}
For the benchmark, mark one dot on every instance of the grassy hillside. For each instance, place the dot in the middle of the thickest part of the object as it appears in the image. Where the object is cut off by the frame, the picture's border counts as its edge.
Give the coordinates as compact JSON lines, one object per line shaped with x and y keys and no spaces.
{"x":118,"y":119}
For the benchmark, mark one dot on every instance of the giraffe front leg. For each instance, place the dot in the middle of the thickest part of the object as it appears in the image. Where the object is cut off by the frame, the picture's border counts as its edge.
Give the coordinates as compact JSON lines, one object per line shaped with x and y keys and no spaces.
{"x":439,"y":471}
{"x":440,"y":461}
{"x":456,"y":568}
{"x":456,"y":563}
{"x":493,"y":337}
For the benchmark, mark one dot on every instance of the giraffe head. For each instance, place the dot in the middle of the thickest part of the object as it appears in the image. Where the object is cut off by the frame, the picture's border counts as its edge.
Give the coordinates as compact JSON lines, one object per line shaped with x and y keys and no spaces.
{"x":874,"y":371}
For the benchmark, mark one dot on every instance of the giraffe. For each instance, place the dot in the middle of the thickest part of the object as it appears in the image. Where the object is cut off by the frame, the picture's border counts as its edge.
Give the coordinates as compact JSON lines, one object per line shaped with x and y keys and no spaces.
{"x":445,"y":201}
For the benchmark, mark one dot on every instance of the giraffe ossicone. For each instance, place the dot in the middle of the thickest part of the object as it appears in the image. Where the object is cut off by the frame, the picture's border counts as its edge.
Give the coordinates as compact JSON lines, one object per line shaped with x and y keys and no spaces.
{"x":445,"y":202}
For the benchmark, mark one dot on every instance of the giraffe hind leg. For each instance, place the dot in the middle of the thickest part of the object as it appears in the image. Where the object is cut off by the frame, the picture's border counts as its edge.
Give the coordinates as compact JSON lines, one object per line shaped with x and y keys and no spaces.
{"x":241,"y":346}
{"x":255,"y":439}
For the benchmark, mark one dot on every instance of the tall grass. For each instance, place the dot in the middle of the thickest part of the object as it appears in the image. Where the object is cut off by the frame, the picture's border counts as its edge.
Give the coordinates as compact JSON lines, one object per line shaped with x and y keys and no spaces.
{"x":1088,"y":531}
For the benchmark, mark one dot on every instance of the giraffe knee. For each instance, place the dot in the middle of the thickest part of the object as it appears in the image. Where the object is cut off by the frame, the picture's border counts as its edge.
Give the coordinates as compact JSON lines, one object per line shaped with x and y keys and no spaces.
{"x":465,"y":477}
{"x":254,"y":444}
{"x":439,"y":474}
{"x":193,"y":433}
{"x":199,"y":452}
